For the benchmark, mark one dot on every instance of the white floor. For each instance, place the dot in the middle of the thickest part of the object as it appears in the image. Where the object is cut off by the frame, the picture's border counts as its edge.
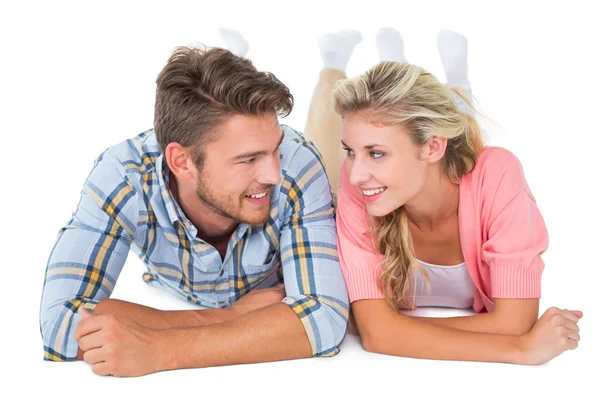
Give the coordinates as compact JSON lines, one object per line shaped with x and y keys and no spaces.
{"x":78,"y":78}
{"x":353,"y":373}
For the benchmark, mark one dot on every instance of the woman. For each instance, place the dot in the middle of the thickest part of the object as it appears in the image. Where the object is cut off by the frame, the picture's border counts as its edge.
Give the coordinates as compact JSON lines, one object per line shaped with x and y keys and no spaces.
{"x":429,"y":216}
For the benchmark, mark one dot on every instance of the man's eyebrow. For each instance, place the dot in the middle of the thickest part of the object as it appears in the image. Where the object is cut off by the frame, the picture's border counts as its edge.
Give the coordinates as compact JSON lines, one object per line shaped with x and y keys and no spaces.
{"x":280,"y":140}
{"x":252,"y":154}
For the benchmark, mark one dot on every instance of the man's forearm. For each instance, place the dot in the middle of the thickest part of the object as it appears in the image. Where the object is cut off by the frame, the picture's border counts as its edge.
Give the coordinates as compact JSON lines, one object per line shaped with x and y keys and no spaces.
{"x":159,"y":319}
{"x":269,"y":334}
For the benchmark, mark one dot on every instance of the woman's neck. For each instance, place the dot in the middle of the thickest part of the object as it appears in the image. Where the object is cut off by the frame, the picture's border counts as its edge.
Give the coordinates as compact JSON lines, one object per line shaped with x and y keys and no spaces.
{"x":435,"y":204}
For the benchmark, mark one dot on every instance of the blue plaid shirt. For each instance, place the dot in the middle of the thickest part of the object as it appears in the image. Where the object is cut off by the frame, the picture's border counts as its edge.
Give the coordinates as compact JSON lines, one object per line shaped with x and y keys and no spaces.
{"x":126,"y":205}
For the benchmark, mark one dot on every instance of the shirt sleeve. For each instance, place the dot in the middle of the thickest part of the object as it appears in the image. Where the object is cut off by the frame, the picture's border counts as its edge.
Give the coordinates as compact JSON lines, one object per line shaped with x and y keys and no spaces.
{"x":361,"y":262}
{"x":87,"y":257}
{"x":315,"y":288}
{"x":515,"y":238}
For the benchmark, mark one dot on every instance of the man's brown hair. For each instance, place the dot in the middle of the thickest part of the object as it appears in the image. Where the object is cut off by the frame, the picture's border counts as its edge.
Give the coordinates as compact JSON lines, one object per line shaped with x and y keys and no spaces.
{"x":199,"y":88}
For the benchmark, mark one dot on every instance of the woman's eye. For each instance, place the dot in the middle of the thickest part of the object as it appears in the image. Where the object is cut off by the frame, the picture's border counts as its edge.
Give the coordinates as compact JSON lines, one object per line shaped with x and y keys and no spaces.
{"x":348,"y":151}
{"x":376,"y":154}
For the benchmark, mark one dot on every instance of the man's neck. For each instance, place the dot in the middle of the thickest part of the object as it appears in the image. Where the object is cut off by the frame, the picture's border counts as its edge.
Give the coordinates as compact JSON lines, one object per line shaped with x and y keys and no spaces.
{"x":212,"y":227}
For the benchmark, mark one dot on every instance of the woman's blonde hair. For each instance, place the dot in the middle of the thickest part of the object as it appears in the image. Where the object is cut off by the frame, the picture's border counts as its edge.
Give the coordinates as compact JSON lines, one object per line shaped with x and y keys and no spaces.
{"x":407,"y":95}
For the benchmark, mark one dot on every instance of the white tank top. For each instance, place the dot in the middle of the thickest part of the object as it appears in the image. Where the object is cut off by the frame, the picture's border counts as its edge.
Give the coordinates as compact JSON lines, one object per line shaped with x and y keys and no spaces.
{"x":451,"y":286}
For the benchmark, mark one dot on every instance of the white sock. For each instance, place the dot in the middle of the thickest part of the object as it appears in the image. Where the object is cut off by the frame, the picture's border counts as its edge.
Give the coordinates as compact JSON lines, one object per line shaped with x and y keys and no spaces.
{"x":234,"y":41}
{"x":452,"y":47}
{"x":336,"y":48}
{"x":390,"y":45}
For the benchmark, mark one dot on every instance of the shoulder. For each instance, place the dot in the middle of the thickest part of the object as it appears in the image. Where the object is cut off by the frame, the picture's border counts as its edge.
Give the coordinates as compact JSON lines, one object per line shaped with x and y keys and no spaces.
{"x":138,"y":153}
{"x":302,"y":171}
{"x":126,"y":162}
{"x":498,"y":171}
{"x":495,"y":181}
{"x":297,"y":150}
{"x":498,"y":159}
{"x":299,"y":155}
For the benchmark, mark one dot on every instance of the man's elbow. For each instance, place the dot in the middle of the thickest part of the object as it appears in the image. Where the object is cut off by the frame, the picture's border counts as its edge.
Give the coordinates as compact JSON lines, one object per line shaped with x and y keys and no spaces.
{"x":56,"y":327}
{"x":338,"y":334}
{"x":47,"y":324}
{"x":336,"y":326}
{"x":48,"y":327}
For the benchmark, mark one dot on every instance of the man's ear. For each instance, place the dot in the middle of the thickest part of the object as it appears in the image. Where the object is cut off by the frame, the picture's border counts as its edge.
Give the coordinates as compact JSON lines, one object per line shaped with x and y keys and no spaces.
{"x":180,"y":162}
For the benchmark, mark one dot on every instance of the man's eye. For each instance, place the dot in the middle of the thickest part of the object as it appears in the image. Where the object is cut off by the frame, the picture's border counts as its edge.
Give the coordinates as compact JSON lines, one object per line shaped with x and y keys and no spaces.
{"x":249,"y":161}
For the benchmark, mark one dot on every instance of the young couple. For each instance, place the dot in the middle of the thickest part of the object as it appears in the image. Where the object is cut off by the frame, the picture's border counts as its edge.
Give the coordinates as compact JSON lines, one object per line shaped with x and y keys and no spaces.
{"x":280,"y":241}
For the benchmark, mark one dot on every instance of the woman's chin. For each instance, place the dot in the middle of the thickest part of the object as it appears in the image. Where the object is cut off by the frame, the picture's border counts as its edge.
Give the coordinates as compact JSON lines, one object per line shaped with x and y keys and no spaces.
{"x":379,"y":210}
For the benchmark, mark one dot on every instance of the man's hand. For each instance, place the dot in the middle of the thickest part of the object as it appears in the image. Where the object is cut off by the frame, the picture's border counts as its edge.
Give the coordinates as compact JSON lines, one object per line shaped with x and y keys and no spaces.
{"x":259,"y":298}
{"x":118,"y":346}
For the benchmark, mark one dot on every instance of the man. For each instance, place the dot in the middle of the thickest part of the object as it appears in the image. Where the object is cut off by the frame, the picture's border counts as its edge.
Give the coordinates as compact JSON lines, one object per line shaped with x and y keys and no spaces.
{"x":222,"y":203}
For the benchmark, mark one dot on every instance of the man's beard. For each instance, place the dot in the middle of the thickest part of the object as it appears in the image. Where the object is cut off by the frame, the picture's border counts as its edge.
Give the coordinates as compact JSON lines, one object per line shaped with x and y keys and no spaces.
{"x":226,"y":207}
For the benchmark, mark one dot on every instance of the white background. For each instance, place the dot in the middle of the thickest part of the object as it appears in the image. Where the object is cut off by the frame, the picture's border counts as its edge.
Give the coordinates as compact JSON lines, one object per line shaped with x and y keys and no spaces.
{"x":77,"y":78}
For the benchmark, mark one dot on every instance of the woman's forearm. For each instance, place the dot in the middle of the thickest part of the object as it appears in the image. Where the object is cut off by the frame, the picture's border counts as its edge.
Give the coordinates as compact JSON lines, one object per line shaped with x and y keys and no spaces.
{"x":419,"y":339}
{"x":482,"y":323}
{"x":384,"y":331}
{"x":509,"y":317}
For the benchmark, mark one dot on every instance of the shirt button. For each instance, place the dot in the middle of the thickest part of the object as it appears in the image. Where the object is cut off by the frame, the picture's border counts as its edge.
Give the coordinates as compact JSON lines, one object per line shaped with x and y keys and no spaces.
{"x":222,"y":272}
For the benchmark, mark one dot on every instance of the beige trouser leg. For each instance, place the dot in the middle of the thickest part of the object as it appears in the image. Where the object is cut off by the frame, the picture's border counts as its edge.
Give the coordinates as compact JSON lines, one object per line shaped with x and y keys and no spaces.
{"x":324,"y":125}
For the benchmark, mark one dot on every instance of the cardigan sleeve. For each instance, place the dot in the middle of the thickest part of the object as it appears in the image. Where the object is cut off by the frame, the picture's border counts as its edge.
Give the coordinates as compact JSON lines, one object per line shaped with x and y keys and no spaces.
{"x":361,"y":263}
{"x":516,"y":239}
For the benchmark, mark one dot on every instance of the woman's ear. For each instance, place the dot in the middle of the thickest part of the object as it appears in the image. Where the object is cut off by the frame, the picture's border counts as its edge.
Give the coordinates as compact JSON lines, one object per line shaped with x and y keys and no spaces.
{"x":434,"y":149}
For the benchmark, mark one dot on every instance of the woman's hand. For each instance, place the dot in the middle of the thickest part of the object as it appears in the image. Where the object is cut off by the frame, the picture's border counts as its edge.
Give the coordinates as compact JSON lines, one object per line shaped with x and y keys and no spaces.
{"x":555,"y":332}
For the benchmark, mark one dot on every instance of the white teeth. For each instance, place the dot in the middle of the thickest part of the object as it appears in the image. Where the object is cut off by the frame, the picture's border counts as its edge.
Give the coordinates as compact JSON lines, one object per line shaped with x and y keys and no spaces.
{"x":373,"y":192}
{"x":258,"y":195}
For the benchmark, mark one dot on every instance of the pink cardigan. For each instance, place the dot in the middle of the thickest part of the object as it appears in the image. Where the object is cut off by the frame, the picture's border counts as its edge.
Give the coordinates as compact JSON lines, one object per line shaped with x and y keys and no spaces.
{"x":502,"y":233}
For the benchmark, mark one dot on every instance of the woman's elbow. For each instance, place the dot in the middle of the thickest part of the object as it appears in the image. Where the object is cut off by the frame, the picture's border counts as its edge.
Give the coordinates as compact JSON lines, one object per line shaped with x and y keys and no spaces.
{"x":517,"y":326}
{"x":520,"y":328}
{"x":370,"y":342}
{"x":368,"y":345}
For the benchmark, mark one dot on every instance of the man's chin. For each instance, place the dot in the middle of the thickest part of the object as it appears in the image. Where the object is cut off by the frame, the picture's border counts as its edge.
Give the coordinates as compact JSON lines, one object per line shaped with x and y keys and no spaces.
{"x":255,"y":218}
{"x":257,"y":222}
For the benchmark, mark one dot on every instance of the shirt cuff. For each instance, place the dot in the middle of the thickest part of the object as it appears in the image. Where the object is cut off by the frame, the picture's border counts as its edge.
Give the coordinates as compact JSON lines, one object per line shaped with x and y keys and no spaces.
{"x":362,"y":283}
{"x":325,"y":330}
{"x":517,"y":282}
{"x":61,"y":344}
